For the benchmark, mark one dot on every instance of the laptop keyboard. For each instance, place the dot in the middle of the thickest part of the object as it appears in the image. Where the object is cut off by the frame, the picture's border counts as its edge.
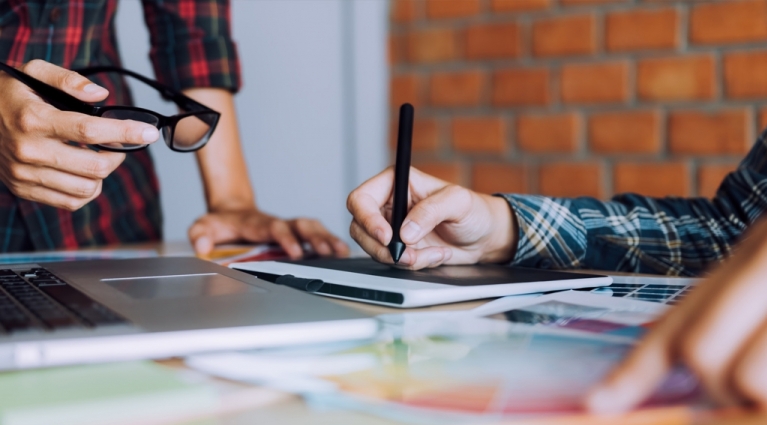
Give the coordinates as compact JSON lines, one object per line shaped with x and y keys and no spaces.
{"x":37,"y":299}
{"x":658,"y":293}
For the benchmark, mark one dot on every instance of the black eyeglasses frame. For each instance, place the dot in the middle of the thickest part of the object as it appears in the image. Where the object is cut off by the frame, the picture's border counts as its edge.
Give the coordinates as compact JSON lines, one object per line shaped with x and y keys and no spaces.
{"x":66,"y":102}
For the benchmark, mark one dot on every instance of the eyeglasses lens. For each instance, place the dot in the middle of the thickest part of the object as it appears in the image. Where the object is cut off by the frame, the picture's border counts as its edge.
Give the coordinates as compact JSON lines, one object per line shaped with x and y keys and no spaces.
{"x":127,"y":114}
{"x":192,"y":132}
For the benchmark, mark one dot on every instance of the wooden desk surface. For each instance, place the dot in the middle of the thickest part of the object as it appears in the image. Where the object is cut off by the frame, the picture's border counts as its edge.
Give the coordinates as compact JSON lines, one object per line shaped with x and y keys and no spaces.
{"x":281,"y":408}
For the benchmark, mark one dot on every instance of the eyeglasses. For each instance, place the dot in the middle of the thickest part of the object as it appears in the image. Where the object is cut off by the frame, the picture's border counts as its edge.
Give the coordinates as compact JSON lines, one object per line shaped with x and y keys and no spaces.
{"x":185,"y":132}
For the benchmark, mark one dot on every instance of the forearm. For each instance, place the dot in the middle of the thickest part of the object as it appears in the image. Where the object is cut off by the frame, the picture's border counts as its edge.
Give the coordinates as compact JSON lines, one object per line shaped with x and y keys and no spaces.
{"x":632,"y":233}
{"x":221,"y":161}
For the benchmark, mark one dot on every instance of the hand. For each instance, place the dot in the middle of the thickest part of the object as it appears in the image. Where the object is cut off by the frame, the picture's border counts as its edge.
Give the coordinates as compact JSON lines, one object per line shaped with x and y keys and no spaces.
{"x":446,"y":224}
{"x":719,"y":332}
{"x":35,"y":162}
{"x":251,"y":225}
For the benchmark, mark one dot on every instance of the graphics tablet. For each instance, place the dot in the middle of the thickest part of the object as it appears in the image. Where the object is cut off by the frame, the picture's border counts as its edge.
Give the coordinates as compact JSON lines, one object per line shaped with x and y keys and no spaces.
{"x":363,"y":279}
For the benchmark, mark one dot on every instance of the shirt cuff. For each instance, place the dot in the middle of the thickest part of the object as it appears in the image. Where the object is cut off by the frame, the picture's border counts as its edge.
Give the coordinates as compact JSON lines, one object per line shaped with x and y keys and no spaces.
{"x":210,"y":62}
{"x":550,"y":234}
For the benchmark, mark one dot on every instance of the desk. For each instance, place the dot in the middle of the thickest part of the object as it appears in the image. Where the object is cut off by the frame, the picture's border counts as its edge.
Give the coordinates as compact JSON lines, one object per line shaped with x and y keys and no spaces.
{"x":280,"y":408}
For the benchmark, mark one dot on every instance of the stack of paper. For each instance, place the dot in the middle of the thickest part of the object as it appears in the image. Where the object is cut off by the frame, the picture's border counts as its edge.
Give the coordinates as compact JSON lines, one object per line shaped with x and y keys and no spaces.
{"x":529,"y":356}
{"x":119,"y":393}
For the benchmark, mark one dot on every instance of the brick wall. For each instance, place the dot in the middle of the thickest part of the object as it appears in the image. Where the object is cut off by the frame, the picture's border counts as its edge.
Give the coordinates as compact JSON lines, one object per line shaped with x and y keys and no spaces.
{"x":581,"y":97}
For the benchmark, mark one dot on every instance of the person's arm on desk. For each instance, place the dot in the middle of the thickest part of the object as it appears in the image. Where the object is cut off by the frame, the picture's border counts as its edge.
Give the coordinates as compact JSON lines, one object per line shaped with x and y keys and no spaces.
{"x":452,"y":225}
{"x":232,"y":213}
{"x":719,"y":332}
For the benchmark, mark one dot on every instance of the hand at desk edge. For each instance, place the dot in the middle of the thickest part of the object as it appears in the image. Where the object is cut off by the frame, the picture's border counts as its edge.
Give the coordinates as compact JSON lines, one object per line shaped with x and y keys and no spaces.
{"x":252,"y":225}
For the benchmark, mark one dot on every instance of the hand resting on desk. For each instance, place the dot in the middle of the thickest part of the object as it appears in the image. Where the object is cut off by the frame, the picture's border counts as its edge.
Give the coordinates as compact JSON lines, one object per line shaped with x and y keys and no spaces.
{"x":719,"y":332}
{"x":446,"y":223}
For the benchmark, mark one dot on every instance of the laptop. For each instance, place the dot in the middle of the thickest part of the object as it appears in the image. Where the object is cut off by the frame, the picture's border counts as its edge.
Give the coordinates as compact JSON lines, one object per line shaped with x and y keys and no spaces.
{"x":66,"y":313}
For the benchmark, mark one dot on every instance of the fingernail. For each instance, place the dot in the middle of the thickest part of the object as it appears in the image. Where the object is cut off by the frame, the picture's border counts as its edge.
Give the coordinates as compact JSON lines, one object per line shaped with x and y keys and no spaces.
{"x":93,"y":88}
{"x":406,"y":258}
{"x":202,"y":246}
{"x":379,"y":235}
{"x":150,"y":135}
{"x":602,"y":401}
{"x":409,"y":231}
{"x":436,"y":257}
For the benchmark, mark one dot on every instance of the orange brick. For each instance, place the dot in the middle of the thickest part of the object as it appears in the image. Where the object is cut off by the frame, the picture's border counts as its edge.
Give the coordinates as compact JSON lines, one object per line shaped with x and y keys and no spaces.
{"x":745,"y":76}
{"x":451,"y":172}
{"x":425,"y":135}
{"x":709,"y":133}
{"x":405,"y":88}
{"x":519,"y":5}
{"x":587,"y":2}
{"x":652,"y":179}
{"x":625,"y":132}
{"x":567,"y":179}
{"x":521,"y":87}
{"x":710,"y":176}
{"x":729,"y":22}
{"x":562,"y":36}
{"x":493,"y":41}
{"x":473,"y":134}
{"x":548,"y":133}
{"x":642,"y":29}
{"x":403,"y":11}
{"x":396,"y":49}
{"x":763,"y":120}
{"x":594,"y":83}
{"x":432,"y":45}
{"x":436,"y":9}
{"x":493,"y":177}
{"x":679,"y":78}
{"x":457,"y":88}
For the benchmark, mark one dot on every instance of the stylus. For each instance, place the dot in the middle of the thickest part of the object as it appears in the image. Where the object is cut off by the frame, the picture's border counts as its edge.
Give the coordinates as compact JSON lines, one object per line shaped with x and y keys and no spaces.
{"x":401,"y":179}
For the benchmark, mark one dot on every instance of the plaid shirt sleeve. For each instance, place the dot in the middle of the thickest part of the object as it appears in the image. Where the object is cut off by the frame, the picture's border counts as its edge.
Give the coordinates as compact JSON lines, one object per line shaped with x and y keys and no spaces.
{"x":633,"y":233}
{"x":191,"y":43}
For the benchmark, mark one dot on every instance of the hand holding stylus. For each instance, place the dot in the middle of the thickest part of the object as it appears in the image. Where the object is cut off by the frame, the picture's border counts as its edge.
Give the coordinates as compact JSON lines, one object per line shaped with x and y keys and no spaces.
{"x":446,"y":224}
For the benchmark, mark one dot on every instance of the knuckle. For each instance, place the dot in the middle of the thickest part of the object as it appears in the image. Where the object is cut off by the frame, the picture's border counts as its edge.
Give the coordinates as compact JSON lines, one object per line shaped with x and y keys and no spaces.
{"x":70,"y":79}
{"x":99,"y":169}
{"x":751,"y":383}
{"x":693,"y":352}
{"x":16,"y":171}
{"x":28,"y":121}
{"x":86,"y":132}
{"x":33,"y":66}
{"x":87,"y":189}
{"x":352,"y":200}
{"x":72,"y":204}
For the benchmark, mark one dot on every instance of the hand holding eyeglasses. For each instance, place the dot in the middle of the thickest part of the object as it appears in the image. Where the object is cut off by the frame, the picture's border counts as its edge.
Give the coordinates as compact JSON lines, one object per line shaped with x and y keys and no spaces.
{"x":36,"y":162}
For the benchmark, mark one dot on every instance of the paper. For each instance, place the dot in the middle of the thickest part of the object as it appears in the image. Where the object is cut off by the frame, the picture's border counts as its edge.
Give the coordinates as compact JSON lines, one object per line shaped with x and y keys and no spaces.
{"x":446,"y":367}
{"x":118,"y":393}
{"x":229,"y":254}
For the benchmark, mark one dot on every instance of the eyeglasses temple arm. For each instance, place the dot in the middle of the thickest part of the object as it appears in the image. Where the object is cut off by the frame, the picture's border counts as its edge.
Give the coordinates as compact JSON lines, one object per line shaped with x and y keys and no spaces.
{"x":56,"y":97}
{"x":177,"y":97}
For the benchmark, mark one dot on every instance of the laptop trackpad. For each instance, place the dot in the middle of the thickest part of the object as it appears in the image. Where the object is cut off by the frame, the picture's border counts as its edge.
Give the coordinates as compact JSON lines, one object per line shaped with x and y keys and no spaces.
{"x":201,"y":285}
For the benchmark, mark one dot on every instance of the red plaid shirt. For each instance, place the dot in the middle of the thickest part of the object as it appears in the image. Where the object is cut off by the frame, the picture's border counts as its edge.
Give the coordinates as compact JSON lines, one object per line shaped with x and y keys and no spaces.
{"x":191,"y":46}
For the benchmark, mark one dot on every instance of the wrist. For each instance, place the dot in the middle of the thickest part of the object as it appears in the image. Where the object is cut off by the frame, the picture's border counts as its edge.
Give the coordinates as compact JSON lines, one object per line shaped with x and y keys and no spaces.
{"x":502,"y":243}
{"x":232,"y":204}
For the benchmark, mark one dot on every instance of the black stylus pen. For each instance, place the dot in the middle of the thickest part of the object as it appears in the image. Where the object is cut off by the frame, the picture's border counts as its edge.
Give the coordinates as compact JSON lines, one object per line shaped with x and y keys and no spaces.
{"x":401,"y":179}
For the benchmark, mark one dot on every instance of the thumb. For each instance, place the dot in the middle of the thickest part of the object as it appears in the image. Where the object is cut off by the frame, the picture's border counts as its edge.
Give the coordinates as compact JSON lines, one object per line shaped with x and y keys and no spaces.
{"x":448,"y":204}
{"x":63,"y":79}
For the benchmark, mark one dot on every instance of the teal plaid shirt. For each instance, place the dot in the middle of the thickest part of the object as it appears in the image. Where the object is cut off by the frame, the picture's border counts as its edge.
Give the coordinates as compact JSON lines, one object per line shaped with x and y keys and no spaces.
{"x":634,"y":233}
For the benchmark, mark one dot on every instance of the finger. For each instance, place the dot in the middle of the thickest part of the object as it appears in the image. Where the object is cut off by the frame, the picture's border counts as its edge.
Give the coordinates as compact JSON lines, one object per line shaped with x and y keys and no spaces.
{"x":76,"y":186}
{"x":372,"y":246}
{"x":639,"y":375}
{"x":50,"y":197}
{"x":321,"y":240}
{"x":69,"y":159}
{"x":87,"y":129}
{"x":417,"y":259}
{"x":749,"y":375}
{"x":283,"y":235}
{"x":365,"y":202}
{"x":202,"y":235}
{"x":66,"y":80}
{"x":449,"y":204}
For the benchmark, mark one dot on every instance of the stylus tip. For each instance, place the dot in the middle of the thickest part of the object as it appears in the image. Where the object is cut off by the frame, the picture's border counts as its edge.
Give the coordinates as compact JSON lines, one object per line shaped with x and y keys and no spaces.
{"x":396,"y":249}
